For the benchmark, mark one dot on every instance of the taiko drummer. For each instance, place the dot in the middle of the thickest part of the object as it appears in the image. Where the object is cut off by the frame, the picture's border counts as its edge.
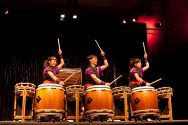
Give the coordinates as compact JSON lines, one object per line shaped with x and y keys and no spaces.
{"x":137,"y":71}
{"x":93,"y":72}
{"x":51,"y":68}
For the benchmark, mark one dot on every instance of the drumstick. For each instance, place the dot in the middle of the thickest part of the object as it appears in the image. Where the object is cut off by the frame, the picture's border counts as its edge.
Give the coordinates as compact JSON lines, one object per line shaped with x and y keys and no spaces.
{"x":144,"y":47}
{"x":155,"y":81}
{"x":98,"y":45}
{"x":69,"y":77}
{"x":116,"y":79}
{"x":58,"y":43}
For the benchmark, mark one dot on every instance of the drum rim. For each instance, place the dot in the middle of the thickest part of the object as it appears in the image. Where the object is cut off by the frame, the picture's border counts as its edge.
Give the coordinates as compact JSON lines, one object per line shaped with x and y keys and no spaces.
{"x":143,"y":87}
{"x":163,"y":88}
{"x":25,"y":83}
{"x":98,"y":86}
{"x":137,"y":89}
{"x":50,"y":86}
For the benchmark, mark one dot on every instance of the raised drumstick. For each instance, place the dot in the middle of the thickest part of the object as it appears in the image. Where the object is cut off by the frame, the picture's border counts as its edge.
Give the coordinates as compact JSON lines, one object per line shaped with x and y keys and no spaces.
{"x":58,"y":43}
{"x":144,"y":47}
{"x":98,"y":45}
{"x":116,"y":79}
{"x":155,"y":81}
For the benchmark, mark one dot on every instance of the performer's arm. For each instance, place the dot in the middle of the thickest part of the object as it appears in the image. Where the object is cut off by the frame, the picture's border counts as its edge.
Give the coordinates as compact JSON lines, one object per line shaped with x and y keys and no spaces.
{"x":97,"y":80}
{"x":61,"y":60}
{"x":146,"y":62}
{"x":140,"y":79}
{"x":54,"y":77}
{"x":105,"y":61}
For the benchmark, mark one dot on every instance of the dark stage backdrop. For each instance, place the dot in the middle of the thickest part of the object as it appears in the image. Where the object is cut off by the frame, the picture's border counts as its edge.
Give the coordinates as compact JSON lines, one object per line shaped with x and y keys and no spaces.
{"x":28,"y":41}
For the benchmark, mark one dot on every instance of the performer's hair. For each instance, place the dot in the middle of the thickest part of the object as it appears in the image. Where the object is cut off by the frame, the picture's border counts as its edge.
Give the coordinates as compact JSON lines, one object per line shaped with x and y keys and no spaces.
{"x":91,"y":56}
{"x":133,"y":61}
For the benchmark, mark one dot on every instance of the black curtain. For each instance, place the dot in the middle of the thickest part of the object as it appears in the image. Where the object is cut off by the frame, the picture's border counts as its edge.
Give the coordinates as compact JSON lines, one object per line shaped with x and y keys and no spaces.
{"x":29,"y":40}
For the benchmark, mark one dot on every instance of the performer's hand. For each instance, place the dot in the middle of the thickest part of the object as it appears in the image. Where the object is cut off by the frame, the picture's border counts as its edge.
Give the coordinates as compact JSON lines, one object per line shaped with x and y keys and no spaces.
{"x":107,"y":84}
{"x":60,"y":52}
{"x":148,"y":84}
{"x":61,"y":83}
{"x":102,"y":53}
{"x":145,"y":56}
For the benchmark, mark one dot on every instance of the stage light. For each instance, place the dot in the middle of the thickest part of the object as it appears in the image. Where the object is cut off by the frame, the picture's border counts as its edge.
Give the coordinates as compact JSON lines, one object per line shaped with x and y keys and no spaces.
{"x":6,"y":12}
{"x":124,"y":21}
{"x":134,"y":20}
{"x":62,"y":17}
{"x":74,"y":16}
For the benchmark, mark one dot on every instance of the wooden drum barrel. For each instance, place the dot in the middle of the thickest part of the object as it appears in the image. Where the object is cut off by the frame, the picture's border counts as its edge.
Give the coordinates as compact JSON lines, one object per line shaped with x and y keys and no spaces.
{"x":99,"y":99}
{"x":144,"y":100}
{"x":49,"y":99}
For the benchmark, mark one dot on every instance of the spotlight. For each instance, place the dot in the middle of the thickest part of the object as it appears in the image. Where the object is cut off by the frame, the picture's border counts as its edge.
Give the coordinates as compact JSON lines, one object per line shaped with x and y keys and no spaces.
{"x":134,"y":20}
{"x":124,"y":21}
{"x":6,"y":12}
{"x":62,"y":17}
{"x":74,"y":16}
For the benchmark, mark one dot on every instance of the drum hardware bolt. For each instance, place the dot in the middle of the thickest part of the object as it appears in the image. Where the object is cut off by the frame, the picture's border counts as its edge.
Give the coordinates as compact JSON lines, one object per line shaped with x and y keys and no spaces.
{"x":137,"y":100}
{"x":38,"y":99}
{"x":89,"y":100}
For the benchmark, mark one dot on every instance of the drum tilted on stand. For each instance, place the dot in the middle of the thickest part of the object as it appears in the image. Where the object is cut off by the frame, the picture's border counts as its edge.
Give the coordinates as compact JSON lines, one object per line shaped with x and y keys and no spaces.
{"x":49,"y":101}
{"x":144,"y":101}
{"x":99,"y":101}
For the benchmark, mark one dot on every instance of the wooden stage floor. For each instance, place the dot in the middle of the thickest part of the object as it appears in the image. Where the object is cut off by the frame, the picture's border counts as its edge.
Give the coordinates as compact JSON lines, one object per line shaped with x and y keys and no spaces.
{"x":167,"y":122}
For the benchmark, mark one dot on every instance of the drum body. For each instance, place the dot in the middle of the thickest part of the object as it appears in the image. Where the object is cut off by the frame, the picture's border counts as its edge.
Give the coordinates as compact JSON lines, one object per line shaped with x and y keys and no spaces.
{"x":99,"y":98}
{"x":49,"y":98}
{"x":144,"y":99}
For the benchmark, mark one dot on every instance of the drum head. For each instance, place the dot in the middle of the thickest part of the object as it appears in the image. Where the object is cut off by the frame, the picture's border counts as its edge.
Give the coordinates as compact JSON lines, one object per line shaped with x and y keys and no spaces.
{"x":143,"y":88}
{"x":98,"y":87}
{"x":50,"y":86}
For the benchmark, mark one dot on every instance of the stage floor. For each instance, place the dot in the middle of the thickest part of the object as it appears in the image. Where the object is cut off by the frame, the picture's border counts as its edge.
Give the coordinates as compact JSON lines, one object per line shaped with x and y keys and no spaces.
{"x":167,"y":122}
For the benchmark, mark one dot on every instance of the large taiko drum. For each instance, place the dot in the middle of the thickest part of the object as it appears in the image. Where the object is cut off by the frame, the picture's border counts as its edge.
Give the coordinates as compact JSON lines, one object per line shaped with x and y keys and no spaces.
{"x":144,"y":100}
{"x":99,"y":99}
{"x":49,"y":99}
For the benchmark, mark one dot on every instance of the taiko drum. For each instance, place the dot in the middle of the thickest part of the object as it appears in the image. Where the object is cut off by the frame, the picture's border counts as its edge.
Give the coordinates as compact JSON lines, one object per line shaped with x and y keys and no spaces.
{"x":144,"y":99}
{"x":99,"y":98}
{"x":49,"y":97}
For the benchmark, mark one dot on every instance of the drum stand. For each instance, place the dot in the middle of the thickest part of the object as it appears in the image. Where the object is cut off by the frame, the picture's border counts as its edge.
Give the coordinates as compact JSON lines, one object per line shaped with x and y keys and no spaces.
{"x":77,"y":96}
{"x":169,"y":106}
{"x":24,"y":95}
{"x":123,"y":95}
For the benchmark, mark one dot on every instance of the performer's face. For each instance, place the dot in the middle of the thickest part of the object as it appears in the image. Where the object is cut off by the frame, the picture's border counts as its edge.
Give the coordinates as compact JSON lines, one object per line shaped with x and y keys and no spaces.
{"x":94,"y":61}
{"x":138,"y":64}
{"x":53,"y":62}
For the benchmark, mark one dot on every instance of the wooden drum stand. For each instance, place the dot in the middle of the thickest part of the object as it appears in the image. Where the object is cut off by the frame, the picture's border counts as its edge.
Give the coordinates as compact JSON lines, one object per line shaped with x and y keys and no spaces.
{"x":122,"y":94}
{"x":24,"y":101}
{"x":74,"y":93}
{"x":165,"y":93}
